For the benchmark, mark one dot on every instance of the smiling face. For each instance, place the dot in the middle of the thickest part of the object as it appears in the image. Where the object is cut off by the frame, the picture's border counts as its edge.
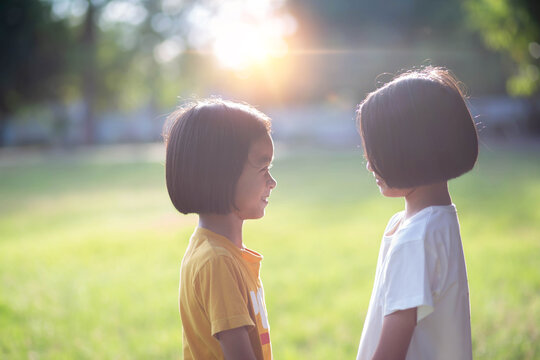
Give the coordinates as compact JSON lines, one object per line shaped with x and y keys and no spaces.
{"x":255,"y":183}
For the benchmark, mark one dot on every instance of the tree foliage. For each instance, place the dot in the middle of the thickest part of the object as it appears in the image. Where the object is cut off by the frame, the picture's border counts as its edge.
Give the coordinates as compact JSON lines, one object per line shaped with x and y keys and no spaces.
{"x":511,"y":27}
{"x":34,"y":47}
{"x":84,"y":56}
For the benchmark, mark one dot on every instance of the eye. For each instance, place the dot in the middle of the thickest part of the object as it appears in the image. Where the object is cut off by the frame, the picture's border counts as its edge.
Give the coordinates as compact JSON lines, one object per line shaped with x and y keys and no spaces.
{"x":266,"y":168}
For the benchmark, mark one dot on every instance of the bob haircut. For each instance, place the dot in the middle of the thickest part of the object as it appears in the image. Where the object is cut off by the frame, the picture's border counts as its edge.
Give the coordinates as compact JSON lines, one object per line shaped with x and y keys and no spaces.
{"x":417,"y":130}
{"x":207,"y":144}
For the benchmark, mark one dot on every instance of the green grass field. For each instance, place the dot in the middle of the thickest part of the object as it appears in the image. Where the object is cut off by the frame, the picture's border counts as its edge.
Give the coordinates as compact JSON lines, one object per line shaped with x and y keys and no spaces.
{"x":90,"y":254}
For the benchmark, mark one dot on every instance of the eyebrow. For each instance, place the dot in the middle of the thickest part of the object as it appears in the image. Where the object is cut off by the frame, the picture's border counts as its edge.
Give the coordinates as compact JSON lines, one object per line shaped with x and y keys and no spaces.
{"x":265,"y":159}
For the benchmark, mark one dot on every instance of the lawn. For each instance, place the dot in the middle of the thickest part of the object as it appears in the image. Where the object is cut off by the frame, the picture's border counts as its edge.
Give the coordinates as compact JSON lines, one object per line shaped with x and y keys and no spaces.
{"x":90,"y":253}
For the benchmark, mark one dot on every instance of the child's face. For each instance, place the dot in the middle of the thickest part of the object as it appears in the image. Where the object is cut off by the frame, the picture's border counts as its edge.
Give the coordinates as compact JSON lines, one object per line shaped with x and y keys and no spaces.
{"x":255,"y":183}
{"x":385,"y":189}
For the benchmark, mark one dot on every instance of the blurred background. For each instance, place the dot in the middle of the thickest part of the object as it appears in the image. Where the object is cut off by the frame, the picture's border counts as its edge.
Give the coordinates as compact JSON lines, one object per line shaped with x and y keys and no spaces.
{"x":107,"y":71}
{"x":90,"y":245}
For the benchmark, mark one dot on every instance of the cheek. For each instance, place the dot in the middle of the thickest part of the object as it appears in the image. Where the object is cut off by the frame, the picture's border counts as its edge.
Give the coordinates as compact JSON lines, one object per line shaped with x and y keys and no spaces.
{"x":388,"y":191}
{"x":245,"y":191}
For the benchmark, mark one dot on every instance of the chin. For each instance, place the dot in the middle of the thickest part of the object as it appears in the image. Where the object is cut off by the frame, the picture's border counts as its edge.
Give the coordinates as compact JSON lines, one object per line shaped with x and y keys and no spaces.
{"x":387,"y":194}
{"x":253,"y":216}
{"x":393,"y":192}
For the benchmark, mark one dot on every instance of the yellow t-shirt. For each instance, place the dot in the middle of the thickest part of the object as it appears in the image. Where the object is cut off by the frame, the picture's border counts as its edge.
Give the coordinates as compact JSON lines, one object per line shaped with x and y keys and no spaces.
{"x":220,"y":289}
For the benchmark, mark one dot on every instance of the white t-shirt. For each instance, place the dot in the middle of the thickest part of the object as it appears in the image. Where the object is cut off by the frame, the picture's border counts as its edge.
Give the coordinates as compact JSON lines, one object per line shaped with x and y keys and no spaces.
{"x":422,"y":265}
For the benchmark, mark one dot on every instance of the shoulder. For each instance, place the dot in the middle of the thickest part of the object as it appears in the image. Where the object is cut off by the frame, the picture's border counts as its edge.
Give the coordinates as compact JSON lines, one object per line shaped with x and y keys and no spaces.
{"x":206,"y":253}
{"x":396,"y":218}
{"x":428,"y":224}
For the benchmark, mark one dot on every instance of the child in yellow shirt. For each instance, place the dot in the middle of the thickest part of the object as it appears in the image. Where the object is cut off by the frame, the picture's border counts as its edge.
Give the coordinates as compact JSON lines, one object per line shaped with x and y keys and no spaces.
{"x":217,"y":166}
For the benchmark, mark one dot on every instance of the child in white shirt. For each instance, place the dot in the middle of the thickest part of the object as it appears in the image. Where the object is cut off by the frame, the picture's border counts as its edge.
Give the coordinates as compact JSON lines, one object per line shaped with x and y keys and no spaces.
{"x":417,"y":134}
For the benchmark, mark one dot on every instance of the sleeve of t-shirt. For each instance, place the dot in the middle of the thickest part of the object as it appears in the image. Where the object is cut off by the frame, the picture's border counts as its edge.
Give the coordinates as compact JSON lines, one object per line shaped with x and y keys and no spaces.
{"x":406,"y":280}
{"x":219,"y":285}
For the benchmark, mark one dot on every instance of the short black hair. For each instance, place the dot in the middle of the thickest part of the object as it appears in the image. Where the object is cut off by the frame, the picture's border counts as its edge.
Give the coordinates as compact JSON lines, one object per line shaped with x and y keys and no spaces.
{"x":207,"y":144}
{"x":417,"y":129}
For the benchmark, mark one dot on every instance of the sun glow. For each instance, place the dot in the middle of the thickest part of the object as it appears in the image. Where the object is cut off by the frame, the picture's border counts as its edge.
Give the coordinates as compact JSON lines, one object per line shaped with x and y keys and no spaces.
{"x":242,"y":33}
{"x":242,"y":45}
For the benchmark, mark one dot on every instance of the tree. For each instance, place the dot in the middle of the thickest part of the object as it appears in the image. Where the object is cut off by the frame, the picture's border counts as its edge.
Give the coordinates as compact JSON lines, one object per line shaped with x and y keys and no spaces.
{"x":35,"y":45}
{"x":106,"y":67}
{"x":88,"y":46}
{"x":512,"y":28}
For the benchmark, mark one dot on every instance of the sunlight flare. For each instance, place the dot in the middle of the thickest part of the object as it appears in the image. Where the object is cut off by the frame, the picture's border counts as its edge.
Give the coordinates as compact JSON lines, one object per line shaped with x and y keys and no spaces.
{"x":242,"y":34}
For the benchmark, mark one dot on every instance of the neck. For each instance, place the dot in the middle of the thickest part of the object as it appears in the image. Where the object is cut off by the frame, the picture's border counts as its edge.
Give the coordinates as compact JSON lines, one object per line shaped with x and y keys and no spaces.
{"x":229,"y":225}
{"x":426,"y":195}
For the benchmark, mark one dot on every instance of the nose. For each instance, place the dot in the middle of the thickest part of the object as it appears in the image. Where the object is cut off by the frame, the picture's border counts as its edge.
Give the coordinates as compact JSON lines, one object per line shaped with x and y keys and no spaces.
{"x":272,"y":183}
